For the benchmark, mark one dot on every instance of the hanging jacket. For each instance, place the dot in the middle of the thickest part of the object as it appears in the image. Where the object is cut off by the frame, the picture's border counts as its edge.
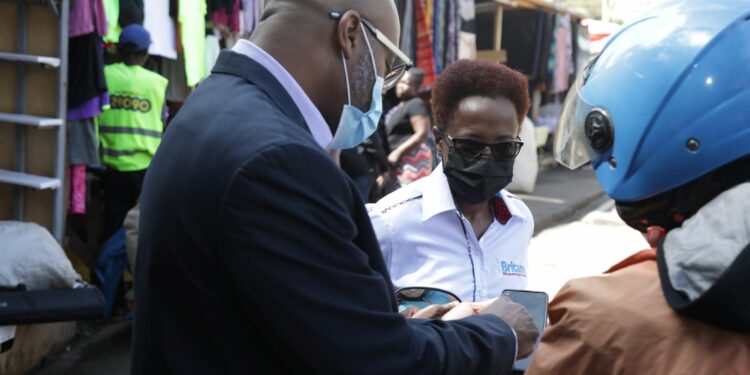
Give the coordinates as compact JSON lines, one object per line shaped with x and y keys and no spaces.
{"x":621,"y":322}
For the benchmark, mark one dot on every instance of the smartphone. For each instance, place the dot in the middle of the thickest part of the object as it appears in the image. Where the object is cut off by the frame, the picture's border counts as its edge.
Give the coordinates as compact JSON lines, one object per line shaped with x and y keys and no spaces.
{"x":536,"y":304}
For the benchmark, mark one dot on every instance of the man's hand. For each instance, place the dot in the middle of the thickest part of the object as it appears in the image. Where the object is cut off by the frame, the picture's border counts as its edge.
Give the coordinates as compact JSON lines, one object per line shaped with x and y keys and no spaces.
{"x":518,"y":319}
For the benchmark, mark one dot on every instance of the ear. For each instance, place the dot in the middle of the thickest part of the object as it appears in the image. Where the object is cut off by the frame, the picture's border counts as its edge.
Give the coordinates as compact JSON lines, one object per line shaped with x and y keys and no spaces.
{"x":348,"y":31}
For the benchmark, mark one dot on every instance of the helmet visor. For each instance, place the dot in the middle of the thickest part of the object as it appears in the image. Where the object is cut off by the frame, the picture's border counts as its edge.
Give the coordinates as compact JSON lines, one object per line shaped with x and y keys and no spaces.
{"x":572,"y":148}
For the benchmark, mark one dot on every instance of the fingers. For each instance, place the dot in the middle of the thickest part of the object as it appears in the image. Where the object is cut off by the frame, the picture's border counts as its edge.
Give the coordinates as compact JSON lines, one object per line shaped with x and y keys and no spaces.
{"x":463,"y":310}
{"x":433,"y":311}
{"x":409,"y":312}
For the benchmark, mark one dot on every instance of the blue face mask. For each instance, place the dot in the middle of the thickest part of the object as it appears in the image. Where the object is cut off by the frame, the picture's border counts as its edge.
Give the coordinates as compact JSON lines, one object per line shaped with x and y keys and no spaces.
{"x":355,"y":126}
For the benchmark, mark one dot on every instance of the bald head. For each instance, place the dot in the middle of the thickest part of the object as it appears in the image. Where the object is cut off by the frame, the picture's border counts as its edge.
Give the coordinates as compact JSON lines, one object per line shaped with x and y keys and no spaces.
{"x":314,"y":47}
{"x":382,"y":14}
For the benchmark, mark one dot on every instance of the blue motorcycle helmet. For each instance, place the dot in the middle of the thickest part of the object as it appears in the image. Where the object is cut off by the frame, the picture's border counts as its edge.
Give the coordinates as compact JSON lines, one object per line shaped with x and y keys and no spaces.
{"x":663,"y":113}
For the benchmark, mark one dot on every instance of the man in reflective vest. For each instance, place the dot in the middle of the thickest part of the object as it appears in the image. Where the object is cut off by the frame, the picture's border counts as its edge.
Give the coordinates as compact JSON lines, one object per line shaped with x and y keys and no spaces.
{"x":130,"y":131}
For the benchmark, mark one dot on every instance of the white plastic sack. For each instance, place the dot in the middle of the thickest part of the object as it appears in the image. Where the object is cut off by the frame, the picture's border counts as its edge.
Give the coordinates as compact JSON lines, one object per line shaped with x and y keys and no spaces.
{"x":527,"y":165}
{"x":29,"y":255}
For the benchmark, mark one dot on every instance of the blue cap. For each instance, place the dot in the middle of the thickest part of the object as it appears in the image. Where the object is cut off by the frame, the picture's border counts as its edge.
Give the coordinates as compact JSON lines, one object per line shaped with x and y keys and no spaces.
{"x":135,"y":38}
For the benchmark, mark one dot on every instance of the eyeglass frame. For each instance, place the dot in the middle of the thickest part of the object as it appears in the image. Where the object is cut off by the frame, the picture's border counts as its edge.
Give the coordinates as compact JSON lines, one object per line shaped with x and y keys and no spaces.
{"x":453,"y":140}
{"x":395,"y":72}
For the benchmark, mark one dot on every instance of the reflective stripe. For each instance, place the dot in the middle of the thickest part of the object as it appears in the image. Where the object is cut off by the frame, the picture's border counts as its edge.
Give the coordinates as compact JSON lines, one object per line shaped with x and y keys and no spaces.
{"x":115,"y":153}
{"x":106,"y":129}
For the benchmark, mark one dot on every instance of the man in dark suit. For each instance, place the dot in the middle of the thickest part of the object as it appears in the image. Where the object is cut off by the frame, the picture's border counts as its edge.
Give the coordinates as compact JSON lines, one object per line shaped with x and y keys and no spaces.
{"x":256,"y":254}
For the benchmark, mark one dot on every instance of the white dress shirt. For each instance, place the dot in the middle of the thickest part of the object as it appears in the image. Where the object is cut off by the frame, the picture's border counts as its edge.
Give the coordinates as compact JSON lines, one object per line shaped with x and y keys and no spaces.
{"x":314,"y":119}
{"x":423,"y":242}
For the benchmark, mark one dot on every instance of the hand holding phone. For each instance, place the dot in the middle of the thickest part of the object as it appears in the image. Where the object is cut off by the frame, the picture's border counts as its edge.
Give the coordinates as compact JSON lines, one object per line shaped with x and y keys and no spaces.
{"x":517,"y":318}
{"x":535,"y":304}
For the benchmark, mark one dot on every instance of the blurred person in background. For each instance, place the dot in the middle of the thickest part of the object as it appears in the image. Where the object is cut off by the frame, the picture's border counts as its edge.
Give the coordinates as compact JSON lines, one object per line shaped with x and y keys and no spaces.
{"x":130,"y":130}
{"x":408,"y":128}
{"x":458,"y":229}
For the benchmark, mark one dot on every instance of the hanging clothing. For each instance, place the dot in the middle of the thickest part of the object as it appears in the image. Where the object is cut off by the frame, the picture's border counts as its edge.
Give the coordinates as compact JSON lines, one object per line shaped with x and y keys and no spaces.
{"x":408,"y":30}
{"x":82,"y":143}
{"x":467,"y":35}
{"x":161,"y":27}
{"x":214,"y":5}
{"x":425,"y":57}
{"x":112,"y":12}
{"x":212,"y":52}
{"x":563,"y":54}
{"x":131,"y":12}
{"x":522,"y":38}
{"x":174,"y":71}
{"x":428,"y":5}
{"x":86,"y":16}
{"x":451,"y":48}
{"x":192,"y":20}
{"x":86,"y":79}
{"x":251,"y":14}
{"x":90,"y":108}
{"x":230,"y":19}
{"x":439,"y":34}
{"x":546,"y":51}
{"x":77,"y":201}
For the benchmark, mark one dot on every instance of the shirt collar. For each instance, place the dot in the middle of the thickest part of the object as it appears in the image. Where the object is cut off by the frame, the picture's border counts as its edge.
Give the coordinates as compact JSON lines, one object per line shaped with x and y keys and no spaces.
{"x":314,"y":119}
{"x":437,"y":199}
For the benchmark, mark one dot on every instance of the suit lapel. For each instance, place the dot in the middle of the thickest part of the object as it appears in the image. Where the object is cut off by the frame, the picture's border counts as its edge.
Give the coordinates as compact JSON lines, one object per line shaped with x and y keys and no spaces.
{"x":242,"y":66}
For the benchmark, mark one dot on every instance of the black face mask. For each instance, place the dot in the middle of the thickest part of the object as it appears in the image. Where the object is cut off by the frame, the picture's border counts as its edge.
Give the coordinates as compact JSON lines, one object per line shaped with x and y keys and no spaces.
{"x":477,"y":179}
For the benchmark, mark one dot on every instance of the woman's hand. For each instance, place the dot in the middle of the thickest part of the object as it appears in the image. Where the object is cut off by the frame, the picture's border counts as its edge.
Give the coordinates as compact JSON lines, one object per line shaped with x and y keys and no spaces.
{"x":429,"y":312}
{"x":467,"y":309}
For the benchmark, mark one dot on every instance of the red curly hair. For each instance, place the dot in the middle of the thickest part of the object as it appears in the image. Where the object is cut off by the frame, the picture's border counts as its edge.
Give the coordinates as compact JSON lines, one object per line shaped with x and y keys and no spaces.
{"x":468,"y":78}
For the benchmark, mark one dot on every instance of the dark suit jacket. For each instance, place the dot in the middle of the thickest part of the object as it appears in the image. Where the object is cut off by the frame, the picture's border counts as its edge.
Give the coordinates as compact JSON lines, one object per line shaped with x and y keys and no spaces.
{"x":256,"y":254}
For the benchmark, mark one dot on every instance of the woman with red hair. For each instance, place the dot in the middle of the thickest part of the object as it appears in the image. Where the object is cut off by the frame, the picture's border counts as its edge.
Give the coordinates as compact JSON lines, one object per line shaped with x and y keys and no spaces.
{"x":457,"y":229}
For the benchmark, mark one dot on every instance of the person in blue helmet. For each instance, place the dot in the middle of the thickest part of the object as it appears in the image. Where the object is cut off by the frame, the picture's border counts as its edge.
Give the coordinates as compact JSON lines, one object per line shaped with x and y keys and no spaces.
{"x":663,"y":115}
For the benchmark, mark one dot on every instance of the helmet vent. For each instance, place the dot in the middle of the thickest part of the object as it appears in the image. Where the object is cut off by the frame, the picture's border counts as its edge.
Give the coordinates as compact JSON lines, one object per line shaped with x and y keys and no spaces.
{"x":599,"y":130}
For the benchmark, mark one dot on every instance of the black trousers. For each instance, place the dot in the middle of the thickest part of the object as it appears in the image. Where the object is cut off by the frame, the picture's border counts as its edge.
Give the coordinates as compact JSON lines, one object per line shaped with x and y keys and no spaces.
{"x":121,"y":192}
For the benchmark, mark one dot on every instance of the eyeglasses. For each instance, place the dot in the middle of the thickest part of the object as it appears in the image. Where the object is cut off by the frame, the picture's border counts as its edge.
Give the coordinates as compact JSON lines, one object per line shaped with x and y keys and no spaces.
{"x":402,"y":63}
{"x":475,"y":149}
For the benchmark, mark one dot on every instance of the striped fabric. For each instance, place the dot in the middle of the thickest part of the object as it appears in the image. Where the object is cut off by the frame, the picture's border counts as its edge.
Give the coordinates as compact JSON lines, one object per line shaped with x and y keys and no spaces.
{"x":413,"y":166}
{"x":425,"y":56}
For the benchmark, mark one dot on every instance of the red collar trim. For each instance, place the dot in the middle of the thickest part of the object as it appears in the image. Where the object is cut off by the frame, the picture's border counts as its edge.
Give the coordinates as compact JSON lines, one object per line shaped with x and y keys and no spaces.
{"x":501,"y":211}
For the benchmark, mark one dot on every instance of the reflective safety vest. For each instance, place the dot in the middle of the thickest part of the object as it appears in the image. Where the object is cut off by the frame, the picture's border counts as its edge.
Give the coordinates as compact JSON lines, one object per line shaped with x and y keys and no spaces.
{"x":130,"y":131}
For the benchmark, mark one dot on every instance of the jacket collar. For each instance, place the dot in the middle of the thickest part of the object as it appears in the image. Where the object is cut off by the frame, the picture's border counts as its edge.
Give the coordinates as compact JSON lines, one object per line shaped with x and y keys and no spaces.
{"x":236,"y":64}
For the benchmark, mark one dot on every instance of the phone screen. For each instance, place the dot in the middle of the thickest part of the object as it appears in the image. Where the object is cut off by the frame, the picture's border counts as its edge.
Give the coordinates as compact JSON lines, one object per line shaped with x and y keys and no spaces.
{"x":536,"y":304}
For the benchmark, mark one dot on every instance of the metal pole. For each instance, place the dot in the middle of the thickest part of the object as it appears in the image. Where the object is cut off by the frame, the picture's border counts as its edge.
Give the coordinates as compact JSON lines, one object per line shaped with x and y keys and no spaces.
{"x":62,"y":79}
{"x":19,"y":195}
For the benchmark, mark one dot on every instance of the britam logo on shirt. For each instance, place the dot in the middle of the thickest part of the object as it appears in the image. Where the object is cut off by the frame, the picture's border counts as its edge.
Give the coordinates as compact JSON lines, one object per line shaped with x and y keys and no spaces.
{"x":512,"y":269}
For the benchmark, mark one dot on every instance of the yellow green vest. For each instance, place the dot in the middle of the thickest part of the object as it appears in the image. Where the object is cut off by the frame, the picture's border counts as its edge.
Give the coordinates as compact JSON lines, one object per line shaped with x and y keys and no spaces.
{"x":130,"y":131}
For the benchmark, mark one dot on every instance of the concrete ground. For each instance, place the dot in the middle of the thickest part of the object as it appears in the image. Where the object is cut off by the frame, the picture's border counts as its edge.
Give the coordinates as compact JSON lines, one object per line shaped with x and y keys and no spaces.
{"x":577,"y":234}
{"x":584,"y":247}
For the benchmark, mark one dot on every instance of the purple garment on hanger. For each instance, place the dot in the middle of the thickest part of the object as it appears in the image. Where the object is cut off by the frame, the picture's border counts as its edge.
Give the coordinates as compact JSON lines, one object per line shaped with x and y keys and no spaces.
{"x":85,"y":17}
{"x":251,"y":15}
{"x":232,"y":21}
{"x":89,"y":109}
{"x":451,"y":54}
